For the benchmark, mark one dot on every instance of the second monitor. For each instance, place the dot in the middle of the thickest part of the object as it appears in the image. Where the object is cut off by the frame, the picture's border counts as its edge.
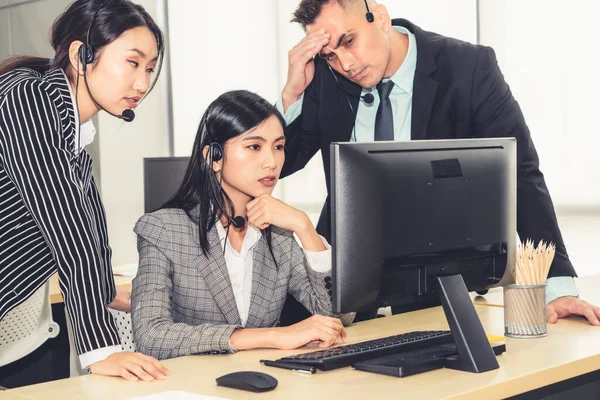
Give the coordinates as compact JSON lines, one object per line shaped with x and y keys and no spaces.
{"x":423,"y":221}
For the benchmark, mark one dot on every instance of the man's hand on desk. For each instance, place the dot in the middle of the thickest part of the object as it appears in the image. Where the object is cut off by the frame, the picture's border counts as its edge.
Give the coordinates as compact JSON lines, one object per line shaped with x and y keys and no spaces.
{"x":131,"y":366}
{"x":563,"y":307}
{"x":121,"y":301}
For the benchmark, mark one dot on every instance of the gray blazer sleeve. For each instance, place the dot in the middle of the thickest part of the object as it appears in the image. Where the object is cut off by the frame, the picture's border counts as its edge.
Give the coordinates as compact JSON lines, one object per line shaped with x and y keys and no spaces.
{"x":156,"y":333}
{"x":308,"y":286}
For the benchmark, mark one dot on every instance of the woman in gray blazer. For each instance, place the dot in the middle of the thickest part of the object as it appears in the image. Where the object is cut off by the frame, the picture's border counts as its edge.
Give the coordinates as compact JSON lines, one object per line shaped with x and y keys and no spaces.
{"x":217,"y":260}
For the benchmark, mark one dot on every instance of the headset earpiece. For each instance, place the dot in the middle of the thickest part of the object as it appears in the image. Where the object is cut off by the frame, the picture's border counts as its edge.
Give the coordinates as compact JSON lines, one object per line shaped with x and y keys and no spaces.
{"x":86,"y":55}
{"x":216,"y":152}
{"x":369,"y":15}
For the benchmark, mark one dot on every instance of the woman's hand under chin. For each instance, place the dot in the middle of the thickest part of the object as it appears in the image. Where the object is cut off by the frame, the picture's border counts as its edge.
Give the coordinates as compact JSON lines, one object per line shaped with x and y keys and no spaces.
{"x":265,"y":210}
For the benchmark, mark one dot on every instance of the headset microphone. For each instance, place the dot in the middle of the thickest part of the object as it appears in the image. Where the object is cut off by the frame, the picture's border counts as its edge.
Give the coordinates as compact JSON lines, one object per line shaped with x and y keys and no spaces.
{"x":237,"y":222}
{"x":86,"y":56}
{"x":368,"y":98}
{"x":129,"y":115}
{"x":216,"y":154}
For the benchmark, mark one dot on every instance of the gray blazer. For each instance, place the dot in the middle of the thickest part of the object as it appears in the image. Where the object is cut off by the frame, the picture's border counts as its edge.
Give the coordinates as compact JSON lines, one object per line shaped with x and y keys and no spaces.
{"x":182,"y":301}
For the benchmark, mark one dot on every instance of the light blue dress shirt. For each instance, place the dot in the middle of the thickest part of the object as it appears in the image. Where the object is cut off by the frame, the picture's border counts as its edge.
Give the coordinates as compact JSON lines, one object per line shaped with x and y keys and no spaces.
{"x":401,"y":98}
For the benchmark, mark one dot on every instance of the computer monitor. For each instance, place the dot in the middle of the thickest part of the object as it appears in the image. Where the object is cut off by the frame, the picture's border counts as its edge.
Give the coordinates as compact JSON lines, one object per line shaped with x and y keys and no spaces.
{"x":423,"y":221}
{"x":162,"y":178}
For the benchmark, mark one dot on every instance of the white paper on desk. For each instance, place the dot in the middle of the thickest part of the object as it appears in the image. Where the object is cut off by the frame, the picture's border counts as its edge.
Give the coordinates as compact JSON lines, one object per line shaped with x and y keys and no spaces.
{"x":176,"y":395}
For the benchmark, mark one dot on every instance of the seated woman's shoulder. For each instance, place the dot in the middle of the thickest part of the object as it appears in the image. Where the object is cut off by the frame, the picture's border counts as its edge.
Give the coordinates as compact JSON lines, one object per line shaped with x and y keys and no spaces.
{"x":167,"y":218}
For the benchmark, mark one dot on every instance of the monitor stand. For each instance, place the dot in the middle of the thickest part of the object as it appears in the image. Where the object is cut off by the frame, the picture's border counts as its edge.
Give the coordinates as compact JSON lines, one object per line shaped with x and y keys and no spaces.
{"x":475,"y":353}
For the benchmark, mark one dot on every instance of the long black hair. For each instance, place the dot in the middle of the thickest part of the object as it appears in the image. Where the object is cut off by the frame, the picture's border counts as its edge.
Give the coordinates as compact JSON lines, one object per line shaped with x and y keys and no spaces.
{"x":230,"y":115}
{"x":110,"y":19}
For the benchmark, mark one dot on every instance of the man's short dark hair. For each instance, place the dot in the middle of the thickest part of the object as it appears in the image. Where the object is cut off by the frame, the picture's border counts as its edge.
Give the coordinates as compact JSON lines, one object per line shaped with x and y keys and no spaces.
{"x":309,"y":10}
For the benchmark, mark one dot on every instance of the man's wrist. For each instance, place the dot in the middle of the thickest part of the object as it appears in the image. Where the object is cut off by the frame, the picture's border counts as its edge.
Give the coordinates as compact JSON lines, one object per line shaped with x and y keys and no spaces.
{"x":288,"y":99}
{"x":560,"y":286}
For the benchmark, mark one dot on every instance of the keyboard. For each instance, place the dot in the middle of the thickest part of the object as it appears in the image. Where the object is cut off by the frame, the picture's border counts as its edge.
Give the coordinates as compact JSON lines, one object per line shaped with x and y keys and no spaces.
{"x":343,"y":356}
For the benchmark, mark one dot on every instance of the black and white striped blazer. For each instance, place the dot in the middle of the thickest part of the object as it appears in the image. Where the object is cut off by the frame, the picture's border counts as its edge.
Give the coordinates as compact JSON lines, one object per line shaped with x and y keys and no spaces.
{"x":51,"y":216}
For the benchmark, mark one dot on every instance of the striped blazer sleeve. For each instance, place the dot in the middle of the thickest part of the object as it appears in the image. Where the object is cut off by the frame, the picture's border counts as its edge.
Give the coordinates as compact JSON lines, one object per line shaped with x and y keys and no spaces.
{"x":34,"y":154}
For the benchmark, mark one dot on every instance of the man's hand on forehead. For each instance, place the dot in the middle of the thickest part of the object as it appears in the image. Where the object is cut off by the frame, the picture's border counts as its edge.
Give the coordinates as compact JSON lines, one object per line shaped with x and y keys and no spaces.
{"x":301,"y":68}
{"x":320,"y":37}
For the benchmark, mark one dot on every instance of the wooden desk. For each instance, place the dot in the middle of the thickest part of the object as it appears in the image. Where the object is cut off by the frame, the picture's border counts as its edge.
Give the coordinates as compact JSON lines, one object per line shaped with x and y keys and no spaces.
{"x":9,"y":395}
{"x":572,"y":348}
{"x":588,"y":291}
{"x":122,"y":282}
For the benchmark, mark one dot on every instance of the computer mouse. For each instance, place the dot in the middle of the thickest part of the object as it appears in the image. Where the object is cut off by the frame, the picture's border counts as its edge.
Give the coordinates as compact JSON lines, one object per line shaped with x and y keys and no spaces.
{"x":251,"y":381}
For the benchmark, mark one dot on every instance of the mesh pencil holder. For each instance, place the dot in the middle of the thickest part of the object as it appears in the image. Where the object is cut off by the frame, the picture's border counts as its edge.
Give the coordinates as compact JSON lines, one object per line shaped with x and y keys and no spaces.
{"x":525,"y":311}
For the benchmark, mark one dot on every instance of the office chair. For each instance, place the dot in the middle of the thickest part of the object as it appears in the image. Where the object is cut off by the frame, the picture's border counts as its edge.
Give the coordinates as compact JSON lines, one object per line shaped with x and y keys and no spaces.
{"x":123,"y":321}
{"x":26,"y":327}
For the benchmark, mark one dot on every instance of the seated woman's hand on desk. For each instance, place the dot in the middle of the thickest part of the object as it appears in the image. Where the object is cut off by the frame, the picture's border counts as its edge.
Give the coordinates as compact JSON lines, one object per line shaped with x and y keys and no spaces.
{"x":318,"y":328}
{"x":121,"y":302}
{"x":131,"y":366}
{"x":327,"y":330}
{"x":566,"y":306}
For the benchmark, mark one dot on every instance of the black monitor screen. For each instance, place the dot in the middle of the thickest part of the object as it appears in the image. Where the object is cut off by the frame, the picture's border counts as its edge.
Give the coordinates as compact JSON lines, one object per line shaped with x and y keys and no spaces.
{"x":162,"y":178}
{"x":404,"y":213}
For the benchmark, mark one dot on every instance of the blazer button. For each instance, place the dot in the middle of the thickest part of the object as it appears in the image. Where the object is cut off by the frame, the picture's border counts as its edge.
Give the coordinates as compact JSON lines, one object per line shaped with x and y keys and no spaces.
{"x":329,"y":293}
{"x":328,"y":285}
{"x":327,"y":279}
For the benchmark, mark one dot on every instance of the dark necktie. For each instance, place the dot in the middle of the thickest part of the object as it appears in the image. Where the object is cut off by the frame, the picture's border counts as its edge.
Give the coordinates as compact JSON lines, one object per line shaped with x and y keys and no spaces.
{"x":384,"y":122}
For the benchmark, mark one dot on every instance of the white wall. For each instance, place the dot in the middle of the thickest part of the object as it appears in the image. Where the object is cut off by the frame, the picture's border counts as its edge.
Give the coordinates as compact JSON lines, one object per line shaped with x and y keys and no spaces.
{"x":122,"y":147}
{"x":218,"y":46}
{"x":549,"y":54}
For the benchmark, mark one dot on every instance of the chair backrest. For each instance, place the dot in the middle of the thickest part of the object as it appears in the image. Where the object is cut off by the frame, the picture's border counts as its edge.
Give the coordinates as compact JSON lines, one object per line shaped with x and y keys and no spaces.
{"x":27,"y":326}
{"x":125,"y":327}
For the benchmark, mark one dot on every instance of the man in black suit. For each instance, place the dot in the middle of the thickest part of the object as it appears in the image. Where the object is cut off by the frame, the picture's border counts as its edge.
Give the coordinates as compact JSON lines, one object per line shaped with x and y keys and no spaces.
{"x":358,"y":75}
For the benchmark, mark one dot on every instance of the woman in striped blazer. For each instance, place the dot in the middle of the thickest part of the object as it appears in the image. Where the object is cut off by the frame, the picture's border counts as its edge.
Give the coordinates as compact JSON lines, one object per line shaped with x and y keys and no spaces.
{"x":51,"y":216}
{"x":218,"y":260}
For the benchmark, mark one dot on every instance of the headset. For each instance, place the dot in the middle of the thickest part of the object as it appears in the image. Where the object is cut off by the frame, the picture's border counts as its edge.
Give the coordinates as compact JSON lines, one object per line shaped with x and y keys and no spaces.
{"x":86,"y":56}
{"x":369,"y":14}
{"x":215,"y":153}
{"x":367,"y":98}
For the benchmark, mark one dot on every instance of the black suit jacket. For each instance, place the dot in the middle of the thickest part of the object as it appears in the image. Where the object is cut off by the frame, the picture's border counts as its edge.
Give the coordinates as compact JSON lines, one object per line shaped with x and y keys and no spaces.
{"x":459,"y":92}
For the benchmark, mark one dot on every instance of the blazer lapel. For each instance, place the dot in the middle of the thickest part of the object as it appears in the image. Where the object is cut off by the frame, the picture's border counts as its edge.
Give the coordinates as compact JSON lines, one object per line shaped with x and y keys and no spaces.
{"x":341,"y":122}
{"x":264,"y":279}
{"x":424,"y":92}
{"x":347,"y":118}
{"x":425,"y":87}
{"x":214,"y":271}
